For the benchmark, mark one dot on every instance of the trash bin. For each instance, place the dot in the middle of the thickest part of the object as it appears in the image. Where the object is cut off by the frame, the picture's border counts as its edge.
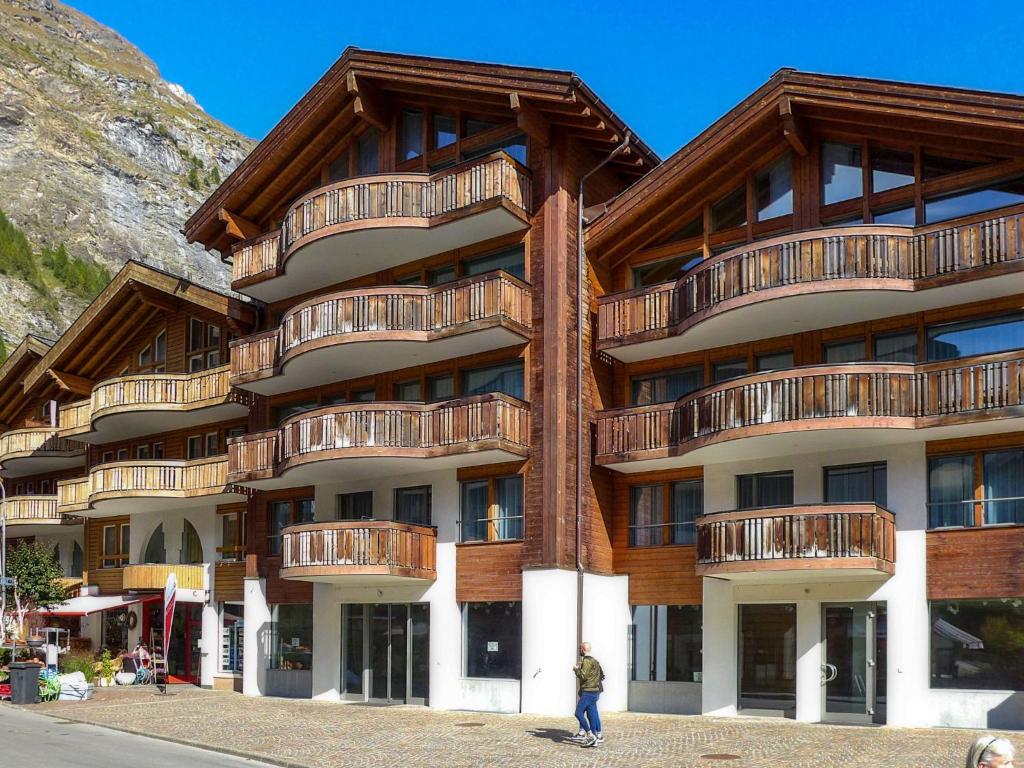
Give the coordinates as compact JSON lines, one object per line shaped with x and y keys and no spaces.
{"x":24,"y":682}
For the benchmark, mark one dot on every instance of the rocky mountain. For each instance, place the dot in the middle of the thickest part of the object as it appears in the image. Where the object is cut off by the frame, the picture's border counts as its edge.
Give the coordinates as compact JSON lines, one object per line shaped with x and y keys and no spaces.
{"x":100,"y":154}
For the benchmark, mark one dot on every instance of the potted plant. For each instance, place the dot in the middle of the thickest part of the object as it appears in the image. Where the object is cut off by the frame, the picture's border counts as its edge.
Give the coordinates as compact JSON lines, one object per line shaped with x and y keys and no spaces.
{"x":106,"y":669}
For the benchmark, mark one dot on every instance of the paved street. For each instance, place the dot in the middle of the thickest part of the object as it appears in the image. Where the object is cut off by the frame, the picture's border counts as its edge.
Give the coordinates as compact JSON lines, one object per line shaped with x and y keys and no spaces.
{"x":314,"y":734}
{"x":30,"y":739}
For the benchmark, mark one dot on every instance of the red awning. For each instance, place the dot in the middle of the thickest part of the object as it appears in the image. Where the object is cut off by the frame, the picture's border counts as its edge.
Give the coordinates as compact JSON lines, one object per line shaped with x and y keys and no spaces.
{"x":86,"y":604}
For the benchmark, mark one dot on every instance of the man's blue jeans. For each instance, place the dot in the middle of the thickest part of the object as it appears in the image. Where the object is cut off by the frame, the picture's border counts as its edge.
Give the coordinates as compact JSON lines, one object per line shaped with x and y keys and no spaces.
{"x":586,"y":710}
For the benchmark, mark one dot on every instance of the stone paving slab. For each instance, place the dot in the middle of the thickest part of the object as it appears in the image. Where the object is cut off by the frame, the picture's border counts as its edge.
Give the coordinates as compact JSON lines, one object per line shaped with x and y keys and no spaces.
{"x":314,"y":734}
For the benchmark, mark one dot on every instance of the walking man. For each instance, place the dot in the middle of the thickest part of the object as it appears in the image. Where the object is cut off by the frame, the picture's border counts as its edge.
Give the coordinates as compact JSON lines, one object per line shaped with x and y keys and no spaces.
{"x":590,"y":676}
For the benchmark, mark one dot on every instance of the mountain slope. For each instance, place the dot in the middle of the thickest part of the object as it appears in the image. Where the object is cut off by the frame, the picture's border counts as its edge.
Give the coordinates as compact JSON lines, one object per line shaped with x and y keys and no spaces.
{"x":98,"y":153}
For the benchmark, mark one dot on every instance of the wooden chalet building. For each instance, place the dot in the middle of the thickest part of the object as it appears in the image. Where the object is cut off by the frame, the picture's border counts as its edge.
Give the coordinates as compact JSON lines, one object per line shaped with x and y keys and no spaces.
{"x":793,"y":483}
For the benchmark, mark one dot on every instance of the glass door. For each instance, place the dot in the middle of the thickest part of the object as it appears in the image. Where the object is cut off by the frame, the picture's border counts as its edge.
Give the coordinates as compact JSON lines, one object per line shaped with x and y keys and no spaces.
{"x":385,"y":653}
{"x":851,"y":651}
{"x":767,"y":663}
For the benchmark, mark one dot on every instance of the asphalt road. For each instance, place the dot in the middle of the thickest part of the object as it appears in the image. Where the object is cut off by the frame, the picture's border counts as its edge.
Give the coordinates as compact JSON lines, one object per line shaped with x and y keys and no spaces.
{"x":28,"y":739}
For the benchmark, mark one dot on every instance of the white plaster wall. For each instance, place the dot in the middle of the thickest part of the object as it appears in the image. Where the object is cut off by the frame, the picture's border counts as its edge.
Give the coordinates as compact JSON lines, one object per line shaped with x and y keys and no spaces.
{"x":719,"y":650}
{"x":549,"y":641}
{"x":255,"y":643}
{"x":606,"y":623}
{"x":978,"y":709}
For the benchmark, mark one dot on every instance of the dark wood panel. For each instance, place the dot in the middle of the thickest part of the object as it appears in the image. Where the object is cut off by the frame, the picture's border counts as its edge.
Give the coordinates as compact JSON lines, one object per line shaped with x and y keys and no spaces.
{"x":489,"y":572}
{"x":975,"y":563}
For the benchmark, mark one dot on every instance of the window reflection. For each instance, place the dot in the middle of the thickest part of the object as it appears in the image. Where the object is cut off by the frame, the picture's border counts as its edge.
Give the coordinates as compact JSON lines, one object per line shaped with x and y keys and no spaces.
{"x":896,"y":348}
{"x":900,"y":216}
{"x":730,"y":211}
{"x":411,"y":134}
{"x":842,"y":178}
{"x":773,"y":190}
{"x":666,"y":387}
{"x":976,"y":201}
{"x":891,"y":168}
{"x":975,"y":337}
{"x":845,"y":352}
{"x":665,"y":270}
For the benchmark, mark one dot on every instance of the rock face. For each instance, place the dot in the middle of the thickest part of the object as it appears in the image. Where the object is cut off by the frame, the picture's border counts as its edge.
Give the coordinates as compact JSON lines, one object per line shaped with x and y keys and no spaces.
{"x":98,"y":152}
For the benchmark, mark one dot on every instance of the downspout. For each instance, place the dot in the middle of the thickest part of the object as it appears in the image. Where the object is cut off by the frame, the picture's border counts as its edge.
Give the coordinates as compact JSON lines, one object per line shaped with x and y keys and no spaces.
{"x":581,"y":273}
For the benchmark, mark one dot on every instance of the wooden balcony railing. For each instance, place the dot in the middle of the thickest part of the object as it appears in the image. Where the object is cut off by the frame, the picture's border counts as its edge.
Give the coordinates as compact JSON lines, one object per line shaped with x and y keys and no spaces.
{"x":196,"y":477}
{"x":797,"y":538}
{"x":390,"y":313}
{"x":154,"y":576}
{"x":383,"y":429}
{"x":36,"y":441}
{"x":861,"y":395}
{"x":33,"y":509}
{"x":73,"y":495}
{"x":383,"y":196}
{"x":839,"y":258}
{"x":367,"y":547}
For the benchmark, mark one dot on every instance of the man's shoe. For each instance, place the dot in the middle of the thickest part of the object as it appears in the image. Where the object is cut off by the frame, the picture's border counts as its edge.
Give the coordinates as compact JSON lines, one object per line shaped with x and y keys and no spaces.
{"x":579,"y":736}
{"x":599,"y":736}
{"x":591,"y":741}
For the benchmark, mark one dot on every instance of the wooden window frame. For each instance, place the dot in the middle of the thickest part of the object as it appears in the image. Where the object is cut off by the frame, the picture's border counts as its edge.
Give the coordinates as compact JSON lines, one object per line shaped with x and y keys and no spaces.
{"x":667,"y":523}
{"x":493,"y":516}
{"x":238,"y":550}
{"x":120,"y":557}
{"x":293,"y":505}
{"x":203,"y":352}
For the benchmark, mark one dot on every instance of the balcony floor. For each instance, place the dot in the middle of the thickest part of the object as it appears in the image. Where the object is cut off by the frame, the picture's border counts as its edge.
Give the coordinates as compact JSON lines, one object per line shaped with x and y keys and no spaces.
{"x":110,"y":505}
{"x":22,"y":466}
{"x":138,"y":420}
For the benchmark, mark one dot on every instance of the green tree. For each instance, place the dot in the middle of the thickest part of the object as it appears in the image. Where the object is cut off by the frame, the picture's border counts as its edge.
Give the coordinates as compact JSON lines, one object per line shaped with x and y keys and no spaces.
{"x":37,"y":574}
{"x":16,"y":257}
{"x":3,"y":349}
{"x":193,"y":178}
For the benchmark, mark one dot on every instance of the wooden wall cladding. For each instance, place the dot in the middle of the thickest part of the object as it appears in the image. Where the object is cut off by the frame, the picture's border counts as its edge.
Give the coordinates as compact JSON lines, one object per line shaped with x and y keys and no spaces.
{"x":975,"y":563}
{"x":489,"y":572}
{"x":228,"y":585}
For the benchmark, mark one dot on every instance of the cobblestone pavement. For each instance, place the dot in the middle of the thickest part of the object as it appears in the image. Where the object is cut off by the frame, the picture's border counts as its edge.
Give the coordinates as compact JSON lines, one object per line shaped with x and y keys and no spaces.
{"x":313,"y":734}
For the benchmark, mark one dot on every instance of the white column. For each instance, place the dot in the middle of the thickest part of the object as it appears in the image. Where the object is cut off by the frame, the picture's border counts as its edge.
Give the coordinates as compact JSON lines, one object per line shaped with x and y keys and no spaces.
{"x":808,"y":661}
{"x":549,"y":641}
{"x":606,"y":623}
{"x":257,"y":640}
{"x":718,"y":692}
{"x":326,"y":643}
{"x":209,"y":645}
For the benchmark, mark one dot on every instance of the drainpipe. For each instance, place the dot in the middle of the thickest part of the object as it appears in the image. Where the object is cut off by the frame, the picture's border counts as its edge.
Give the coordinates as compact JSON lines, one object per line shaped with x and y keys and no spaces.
{"x":581,"y":273}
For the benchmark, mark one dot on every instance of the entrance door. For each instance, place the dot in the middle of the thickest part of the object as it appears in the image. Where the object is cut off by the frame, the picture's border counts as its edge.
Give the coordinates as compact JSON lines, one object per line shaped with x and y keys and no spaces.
{"x":767,"y":663}
{"x":853,"y":649}
{"x":385,"y":653}
{"x":186,"y":630}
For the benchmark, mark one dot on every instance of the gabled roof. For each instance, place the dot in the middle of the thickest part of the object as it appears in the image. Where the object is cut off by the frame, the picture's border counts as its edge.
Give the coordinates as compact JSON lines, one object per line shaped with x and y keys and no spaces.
{"x":13,"y":370}
{"x":129,"y":300}
{"x":985,"y":122}
{"x":350,"y":87}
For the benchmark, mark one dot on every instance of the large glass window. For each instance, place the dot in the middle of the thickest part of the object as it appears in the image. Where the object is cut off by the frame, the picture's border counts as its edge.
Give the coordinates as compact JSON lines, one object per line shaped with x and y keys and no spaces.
{"x":773,"y":189}
{"x":368,"y":152}
{"x":977,"y":644}
{"x":775,"y":361}
{"x":687,"y":505}
{"x":232,"y":636}
{"x":493,"y":639}
{"x":116,"y":538}
{"x":767,"y":656}
{"x":856,"y":483}
{"x":291,"y":636}
{"x":665,"y":270}
{"x":652,"y":524}
{"x":730,"y":211}
{"x":515,"y":147}
{"x":191,"y":552}
{"x":354,"y":506}
{"x":475,"y":502}
{"x":408,"y":391}
{"x":232,"y":536}
{"x":285,"y":513}
{"x":728,"y":369}
{"x":412,"y":505}
{"x":507,"y":378}
{"x":646,"y":512}
{"x":896,"y":347}
{"x":666,"y":387}
{"x":950,"y":491}
{"x":512,"y":260}
{"x":444,"y":130}
{"x":441,"y":387}
{"x":974,"y":201}
{"x":667,"y":643}
{"x":1004,"y":487}
{"x":845,"y":352}
{"x":975,"y":337}
{"x":891,"y":168}
{"x":410,"y":134}
{"x":905,"y":217}
{"x":155,"y":550}
{"x":841,"y":173}
{"x":766,"y":489}
{"x":492,"y":509}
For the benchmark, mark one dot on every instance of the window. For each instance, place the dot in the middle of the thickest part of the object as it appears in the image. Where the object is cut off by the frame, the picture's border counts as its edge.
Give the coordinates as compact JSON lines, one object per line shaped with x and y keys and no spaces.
{"x":44,"y":487}
{"x":646,"y":510}
{"x":143,"y":452}
{"x":766,"y":489}
{"x":687,"y":505}
{"x":122,"y":454}
{"x":950,"y":491}
{"x":410,"y":135}
{"x":856,"y":483}
{"x":773,"y":189}
{"x":506,"y":378}
{"x":441,"y":387}
{"x":653,"y":524}
{"x":412,"y":505}
{"x":845,"y":352}
{"x":1003,"y":474}
{"x":153,"y":357}
{"x":891,"y":168}
{"x":444,"y":131}
{"x":195,"y":447}
{"x":475,"y":126}
{"x":974,"y":201}
{"x":156,"y":550}
{"x":730,"y":211}
{"x":934,"y":167}
{"x":191,"y":552}
{"x":493,"y":639}
{"x":667,"y":643}
{"x":116,"y":538}
{"x":368,"y":152}
{"x":665,"y":270}
{"x":492,"y":509}
{"x":282,"y":412}
{"x":291,"y":636}
{"x":408,"y":391}
{"x":232,"y":536}
{"x":511,"y":260}
{"x":775,"y":361}
{"x":841,"y":174}
{"x":441,"y":275}
{"x":976,"y":644}
{"x":974,"y":337}
{"x":213,"y":444}
{"x":515,"y":147}
{"x":906,"y":217}
{"x":285,"y":513}
{"x":204,"y":345}
{"x":666,"y":387}
{"x":106,"y":456}
{"x":730,"y":369}
{"x":364,"y":395}
{"x":354,"y":506}
{"x":691,"y":229}
{"x":338,"y":170}
{"x":77,"y":560}
{"x":232,"y":623}
{"x":896,"y":347}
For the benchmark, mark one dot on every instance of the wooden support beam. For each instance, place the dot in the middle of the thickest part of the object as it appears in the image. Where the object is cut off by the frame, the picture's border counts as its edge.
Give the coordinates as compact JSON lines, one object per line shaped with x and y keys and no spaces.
{"x":792,"y":129}
{"x":154,"y":298}
{"x":367,"y":102}
{"x":236,"y":226}
{"x":530,"y":120}
{"x":69,"y":382}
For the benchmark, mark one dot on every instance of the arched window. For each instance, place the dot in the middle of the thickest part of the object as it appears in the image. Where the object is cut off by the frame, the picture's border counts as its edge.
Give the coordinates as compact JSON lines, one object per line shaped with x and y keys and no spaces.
{"x":156,"y":552}
{"x":191,"y":546}
{"x":77,"y":556}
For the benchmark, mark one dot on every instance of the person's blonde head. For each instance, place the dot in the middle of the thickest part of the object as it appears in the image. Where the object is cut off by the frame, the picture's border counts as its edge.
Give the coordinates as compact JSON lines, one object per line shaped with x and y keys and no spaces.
{"x":990,"y":752}
{"x":584,"y":647}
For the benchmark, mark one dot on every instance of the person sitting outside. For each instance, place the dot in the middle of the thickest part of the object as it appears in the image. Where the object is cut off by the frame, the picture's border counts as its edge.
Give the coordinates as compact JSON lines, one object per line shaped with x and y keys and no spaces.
{"x":990,"y":752}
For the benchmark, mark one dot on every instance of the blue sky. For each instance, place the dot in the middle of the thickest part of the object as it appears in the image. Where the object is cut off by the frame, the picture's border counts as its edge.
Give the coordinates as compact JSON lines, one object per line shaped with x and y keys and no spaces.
{"x":668,"y":68}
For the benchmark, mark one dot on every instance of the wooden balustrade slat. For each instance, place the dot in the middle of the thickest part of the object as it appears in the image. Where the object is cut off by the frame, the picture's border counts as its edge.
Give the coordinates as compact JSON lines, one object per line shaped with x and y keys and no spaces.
{"x":396,"y":546}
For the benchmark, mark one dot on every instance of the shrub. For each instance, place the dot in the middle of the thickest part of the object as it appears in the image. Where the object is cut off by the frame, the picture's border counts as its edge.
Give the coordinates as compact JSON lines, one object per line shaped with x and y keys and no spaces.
{"x":78,"y":662}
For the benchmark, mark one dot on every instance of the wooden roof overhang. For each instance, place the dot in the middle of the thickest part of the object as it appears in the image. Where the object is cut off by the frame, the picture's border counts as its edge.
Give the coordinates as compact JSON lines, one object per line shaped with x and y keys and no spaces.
{"x":12,"y":375}
{"x":359,"y":88}
{"x":787,"y":109}
{"x":136,"y":294}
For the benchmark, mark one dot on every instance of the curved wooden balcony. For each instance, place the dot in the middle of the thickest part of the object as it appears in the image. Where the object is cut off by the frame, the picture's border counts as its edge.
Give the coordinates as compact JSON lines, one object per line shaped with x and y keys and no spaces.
{"x":374,"y":439}
{"x":823,"y":277}
{"x":824,"y":541}
{"x":369,"y":223}
{"x":35,"y":510}
{"x":140,"y":404}
{"x":121,"y":487}
{"x":365,"y":552}
{"x":820,"y":407}
{"x":355,"y":333}
{"x":38,"y":450}
{"x":153,"y":577}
